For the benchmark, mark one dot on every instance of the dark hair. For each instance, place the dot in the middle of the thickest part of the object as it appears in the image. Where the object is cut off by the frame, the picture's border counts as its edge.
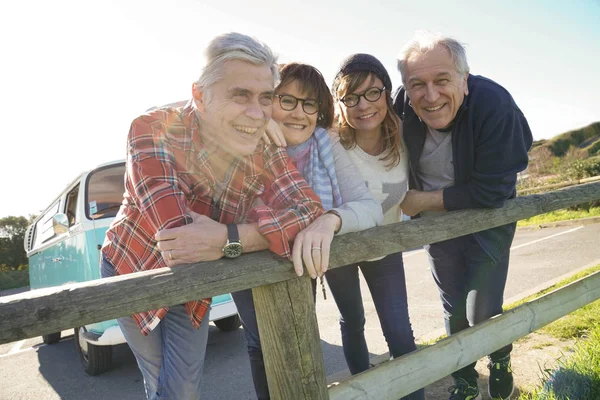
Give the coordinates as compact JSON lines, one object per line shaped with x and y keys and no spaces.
{"x":311,"y":82}
{"x":390,"y":126}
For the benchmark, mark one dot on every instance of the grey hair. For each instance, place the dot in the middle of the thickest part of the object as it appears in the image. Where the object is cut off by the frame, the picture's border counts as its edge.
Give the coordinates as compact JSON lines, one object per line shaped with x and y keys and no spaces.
{"x":234,"y":46}
{"x":424,"y":41}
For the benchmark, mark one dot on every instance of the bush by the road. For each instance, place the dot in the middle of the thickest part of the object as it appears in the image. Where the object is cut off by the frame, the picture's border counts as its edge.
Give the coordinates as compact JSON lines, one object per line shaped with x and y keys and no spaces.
{"x":14,"y":278}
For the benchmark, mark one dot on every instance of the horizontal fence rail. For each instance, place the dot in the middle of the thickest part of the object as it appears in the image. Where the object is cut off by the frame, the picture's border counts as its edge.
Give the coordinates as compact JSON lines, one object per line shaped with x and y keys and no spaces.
{"x":402,"y":376}
{"x":54,"y":309}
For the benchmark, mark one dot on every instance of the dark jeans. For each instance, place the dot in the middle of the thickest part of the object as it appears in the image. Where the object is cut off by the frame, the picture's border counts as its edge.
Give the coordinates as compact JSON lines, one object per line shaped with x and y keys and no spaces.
{"x":385,"y":279}
{"x":471,"y":287}
{"x":386,"y":282}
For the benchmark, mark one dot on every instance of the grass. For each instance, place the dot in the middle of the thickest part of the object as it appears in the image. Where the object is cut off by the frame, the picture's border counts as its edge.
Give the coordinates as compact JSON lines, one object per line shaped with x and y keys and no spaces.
{"x":14,"y":279}
{"x":578,"y":375}
{"x":560,"y":215}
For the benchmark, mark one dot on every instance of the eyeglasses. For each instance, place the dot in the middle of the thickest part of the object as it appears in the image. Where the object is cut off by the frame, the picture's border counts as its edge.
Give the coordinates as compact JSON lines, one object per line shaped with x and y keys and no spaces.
{"x":289,"y":103}
{"x":371,"y":94}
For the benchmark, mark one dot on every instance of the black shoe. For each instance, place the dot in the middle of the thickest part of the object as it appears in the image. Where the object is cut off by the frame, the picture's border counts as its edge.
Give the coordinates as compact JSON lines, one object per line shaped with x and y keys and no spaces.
{"x":464,"y":390}
{"x":502,"y":383}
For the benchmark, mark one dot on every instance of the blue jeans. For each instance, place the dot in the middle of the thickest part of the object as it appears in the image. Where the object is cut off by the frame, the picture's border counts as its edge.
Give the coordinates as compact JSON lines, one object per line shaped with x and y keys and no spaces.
{"x":471,"y":287}
{"x":171,"y":357}
{"x":386,"y":282}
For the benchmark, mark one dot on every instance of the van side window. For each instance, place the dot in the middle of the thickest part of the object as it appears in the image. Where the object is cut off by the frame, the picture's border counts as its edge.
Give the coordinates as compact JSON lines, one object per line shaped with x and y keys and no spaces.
{"x":71,"y":207}
{"x":43,"y":227}
{"x":104,"y":189}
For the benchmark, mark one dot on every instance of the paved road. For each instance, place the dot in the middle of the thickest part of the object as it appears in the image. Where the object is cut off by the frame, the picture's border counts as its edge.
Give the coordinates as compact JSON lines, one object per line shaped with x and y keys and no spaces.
{"x":30,"y":370}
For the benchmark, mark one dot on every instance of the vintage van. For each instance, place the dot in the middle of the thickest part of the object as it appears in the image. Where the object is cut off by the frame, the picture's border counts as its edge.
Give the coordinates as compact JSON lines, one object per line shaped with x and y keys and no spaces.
{"x":63,"y":246}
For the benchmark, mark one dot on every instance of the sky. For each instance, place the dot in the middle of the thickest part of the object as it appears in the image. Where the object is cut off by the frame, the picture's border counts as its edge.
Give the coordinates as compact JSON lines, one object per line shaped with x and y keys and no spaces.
{"x":74,"y":74}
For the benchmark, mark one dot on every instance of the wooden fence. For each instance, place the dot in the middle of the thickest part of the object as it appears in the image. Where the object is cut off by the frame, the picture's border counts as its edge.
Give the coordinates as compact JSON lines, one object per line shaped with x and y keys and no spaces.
{"x":285,"y":311}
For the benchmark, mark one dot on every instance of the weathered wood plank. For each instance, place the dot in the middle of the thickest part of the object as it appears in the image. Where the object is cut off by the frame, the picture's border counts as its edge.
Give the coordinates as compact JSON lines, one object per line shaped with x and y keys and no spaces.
{"x":290,"y":340}
{"x":40,"y":312}
{"x":406,"y":374}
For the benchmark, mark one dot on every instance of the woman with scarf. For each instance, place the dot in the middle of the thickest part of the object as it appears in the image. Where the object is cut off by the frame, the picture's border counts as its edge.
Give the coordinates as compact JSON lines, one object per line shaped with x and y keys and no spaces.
{"x":303,"y":110}
{"x":371,"y":133}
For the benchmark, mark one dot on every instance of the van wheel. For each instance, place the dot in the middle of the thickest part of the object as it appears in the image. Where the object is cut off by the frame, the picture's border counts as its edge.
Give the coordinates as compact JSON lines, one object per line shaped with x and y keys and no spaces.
{"x":229,"y":324}
{"x":51,"y":338}
{"x":95,"y":359}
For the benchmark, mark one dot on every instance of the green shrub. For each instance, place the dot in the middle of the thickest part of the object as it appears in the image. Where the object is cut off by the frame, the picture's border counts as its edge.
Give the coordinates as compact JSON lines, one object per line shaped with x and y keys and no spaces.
{"x":14,"y":279}
{"x":579,"y":169}
{"x":560,"y":147}
{"x":594,"y":149}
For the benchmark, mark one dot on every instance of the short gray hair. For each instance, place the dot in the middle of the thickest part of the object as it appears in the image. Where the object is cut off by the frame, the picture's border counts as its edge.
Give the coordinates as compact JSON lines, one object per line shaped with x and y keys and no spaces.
{"x":424,"y":41}
{"x":234,"y":46}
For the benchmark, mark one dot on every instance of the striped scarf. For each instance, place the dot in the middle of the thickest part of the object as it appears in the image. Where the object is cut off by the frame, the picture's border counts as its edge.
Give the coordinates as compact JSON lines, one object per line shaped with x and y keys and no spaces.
{"x":319,"y":168}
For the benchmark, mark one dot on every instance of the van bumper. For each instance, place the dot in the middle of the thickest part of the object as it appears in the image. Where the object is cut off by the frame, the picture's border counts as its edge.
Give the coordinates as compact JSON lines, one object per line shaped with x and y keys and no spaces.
{"x":222,"y":310}
{"x":111,"y":337}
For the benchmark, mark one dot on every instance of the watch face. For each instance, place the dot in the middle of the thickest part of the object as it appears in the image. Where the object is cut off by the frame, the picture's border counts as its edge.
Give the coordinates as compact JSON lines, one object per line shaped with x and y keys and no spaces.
{"x":232,"y":250}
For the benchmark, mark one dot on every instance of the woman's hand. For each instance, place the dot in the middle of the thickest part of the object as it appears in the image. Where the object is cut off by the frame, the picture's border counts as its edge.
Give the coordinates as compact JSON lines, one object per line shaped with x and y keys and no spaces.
{"x":312,"y":245}
{"x":202,"y":240}
{"x":273,"y":134}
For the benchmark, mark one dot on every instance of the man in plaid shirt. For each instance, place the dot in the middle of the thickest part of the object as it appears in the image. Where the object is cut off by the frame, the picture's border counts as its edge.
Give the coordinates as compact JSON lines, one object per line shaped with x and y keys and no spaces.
{"x":193,"y":174}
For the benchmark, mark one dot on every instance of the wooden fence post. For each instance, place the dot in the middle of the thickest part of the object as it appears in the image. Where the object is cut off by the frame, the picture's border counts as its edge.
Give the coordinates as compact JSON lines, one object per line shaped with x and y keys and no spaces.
{"x":290,"y":340}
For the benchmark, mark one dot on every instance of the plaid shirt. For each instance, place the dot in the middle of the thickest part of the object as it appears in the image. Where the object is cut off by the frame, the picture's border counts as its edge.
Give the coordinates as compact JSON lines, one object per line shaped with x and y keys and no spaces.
{"x":168,"y":172}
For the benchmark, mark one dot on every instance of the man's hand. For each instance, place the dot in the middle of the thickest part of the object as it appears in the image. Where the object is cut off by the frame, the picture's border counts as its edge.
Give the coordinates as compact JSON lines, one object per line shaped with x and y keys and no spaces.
{"x":273,"y":134}
{"x":312,"y":245}
{"x":416,"y":201}
{"x":202,"y":240}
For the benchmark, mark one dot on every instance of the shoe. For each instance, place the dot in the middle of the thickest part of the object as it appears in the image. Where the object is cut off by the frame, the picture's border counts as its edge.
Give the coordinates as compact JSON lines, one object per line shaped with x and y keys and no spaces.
{"x":501,"y":382}
{"x":464,"y":390}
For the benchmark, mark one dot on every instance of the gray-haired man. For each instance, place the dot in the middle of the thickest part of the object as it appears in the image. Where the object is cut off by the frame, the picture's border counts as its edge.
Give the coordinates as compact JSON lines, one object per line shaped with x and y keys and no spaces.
{"x":467,"y":140}
{"x":193,"y":175}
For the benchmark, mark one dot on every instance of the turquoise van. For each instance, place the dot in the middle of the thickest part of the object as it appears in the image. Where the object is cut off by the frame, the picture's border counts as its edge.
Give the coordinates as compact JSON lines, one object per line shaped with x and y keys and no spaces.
{"x":63,"y":246}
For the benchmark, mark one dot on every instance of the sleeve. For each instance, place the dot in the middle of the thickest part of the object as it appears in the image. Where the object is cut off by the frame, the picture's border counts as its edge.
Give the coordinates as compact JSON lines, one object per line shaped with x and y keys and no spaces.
{"x":500,"y":153}
{"x":360,"y":210}
{"x":399,"y":97}
{"x":290,"y":204}
{"x":151,"y":172}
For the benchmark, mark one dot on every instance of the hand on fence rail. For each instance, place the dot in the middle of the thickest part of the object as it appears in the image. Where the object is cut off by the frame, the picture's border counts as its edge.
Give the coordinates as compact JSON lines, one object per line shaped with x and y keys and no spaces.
{"x":199,"y":241}
{"x":313,"y":244}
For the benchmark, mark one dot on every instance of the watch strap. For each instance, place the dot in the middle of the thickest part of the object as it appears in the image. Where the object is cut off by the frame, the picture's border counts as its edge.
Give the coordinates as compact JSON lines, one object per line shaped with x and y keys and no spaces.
{"x":233,"y":234}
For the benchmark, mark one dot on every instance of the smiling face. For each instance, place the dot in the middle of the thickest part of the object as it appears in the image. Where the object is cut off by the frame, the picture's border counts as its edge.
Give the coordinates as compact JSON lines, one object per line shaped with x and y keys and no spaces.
{"x":296,"y":125}
{"x":435,"y":88}
{"x":239,"y":108}
{"x":366,"y":116}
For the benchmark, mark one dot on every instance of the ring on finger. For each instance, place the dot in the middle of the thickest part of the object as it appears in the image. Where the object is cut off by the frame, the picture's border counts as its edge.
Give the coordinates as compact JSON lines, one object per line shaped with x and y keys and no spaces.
{"x":316,"y":248}
{"x":171,"y":255}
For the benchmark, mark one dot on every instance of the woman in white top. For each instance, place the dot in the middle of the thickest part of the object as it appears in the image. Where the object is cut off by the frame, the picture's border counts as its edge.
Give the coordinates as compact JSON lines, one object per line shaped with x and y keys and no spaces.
{"x":303,"y":110}
{"x":370,"y":132}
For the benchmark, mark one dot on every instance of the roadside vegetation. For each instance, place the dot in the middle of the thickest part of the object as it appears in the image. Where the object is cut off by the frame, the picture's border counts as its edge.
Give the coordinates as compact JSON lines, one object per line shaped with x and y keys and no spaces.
{"x":561,"y":215}
{"x":14,"y":278}
{"x":13,"y":260}
{"x":578,"y":373}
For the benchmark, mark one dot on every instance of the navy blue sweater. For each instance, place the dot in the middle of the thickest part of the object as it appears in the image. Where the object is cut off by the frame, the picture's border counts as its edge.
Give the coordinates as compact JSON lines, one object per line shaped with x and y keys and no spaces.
{"x":490,"y":140}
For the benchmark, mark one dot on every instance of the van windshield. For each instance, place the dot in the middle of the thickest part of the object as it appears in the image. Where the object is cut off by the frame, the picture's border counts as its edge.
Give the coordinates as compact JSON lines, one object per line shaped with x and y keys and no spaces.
{"x":104,"y":192}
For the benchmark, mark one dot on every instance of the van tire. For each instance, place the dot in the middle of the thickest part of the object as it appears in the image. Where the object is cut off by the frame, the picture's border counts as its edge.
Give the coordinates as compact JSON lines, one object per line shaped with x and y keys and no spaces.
{"x":95,"y":359}
{"x":51,"y":338}
{"x":229,"y":324}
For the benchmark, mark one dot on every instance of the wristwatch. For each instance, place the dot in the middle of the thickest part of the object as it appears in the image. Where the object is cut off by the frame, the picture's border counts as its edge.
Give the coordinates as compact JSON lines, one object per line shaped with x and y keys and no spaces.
{"x":233,"y":248}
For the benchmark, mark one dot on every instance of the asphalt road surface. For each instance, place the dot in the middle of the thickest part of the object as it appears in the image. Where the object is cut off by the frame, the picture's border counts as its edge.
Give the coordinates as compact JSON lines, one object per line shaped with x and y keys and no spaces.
{"x":31,"y":370}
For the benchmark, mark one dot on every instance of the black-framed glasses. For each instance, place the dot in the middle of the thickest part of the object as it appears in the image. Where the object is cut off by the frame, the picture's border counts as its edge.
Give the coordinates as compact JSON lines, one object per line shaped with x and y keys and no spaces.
{"x":372,"y":94}
{"x":289,"y":103}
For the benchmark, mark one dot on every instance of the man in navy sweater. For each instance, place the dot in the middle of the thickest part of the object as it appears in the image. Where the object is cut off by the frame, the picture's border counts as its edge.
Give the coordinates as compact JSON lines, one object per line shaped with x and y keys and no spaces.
{"x":466,"y":140}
